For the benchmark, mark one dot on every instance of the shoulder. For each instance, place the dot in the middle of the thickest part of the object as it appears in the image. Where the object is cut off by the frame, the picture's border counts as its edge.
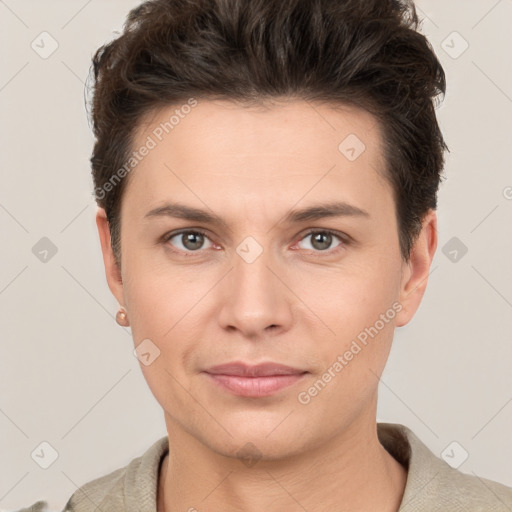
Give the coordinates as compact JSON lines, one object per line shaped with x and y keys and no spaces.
{"x":99,"y":493}
{"x":135,"y":483}
{"x":433,"y":485}
{"x":472,"y":492}
{"x":450,"y":489}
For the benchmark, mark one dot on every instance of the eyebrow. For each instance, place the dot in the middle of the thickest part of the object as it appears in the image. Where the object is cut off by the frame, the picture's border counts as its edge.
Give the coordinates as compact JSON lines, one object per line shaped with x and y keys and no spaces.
{"x":311,"y":213}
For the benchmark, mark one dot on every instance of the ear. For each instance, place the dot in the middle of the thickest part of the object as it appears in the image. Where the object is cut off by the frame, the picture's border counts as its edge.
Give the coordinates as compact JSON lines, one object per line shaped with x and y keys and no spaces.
{"x":415,"y":272}
{"x":112,"y":271}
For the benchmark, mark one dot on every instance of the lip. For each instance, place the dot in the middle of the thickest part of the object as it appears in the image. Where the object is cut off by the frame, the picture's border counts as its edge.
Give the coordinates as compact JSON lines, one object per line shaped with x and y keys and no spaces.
{"x":240,"y":369}
{"x":254,"y":380}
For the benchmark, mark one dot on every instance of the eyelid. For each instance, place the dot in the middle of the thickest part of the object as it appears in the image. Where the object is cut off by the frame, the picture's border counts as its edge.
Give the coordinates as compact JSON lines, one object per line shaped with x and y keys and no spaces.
{"x":344,"y":238}
{"x":168,"y":236}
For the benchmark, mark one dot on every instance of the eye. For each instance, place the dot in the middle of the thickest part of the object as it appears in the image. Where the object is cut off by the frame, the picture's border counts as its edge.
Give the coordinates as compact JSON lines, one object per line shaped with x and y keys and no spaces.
{"x":322,"y":239}
{"x":190,"y":241}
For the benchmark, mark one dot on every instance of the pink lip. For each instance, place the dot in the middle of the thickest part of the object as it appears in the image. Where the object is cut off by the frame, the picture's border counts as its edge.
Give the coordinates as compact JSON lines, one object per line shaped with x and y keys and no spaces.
{"x":254,"y":381}
{"x":259,"y":370}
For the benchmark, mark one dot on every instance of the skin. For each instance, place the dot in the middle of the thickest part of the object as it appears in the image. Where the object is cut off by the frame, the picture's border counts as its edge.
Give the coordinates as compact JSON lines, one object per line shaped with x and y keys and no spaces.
{"x":296,"y":304}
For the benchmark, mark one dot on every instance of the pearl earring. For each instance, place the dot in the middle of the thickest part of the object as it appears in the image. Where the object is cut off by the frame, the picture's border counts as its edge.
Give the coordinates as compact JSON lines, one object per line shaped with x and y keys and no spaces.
{"x":122,"y":318}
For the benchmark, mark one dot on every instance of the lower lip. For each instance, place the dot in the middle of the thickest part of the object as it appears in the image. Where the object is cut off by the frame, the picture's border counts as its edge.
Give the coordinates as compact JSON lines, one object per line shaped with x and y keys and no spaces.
{"x":255,"y":386}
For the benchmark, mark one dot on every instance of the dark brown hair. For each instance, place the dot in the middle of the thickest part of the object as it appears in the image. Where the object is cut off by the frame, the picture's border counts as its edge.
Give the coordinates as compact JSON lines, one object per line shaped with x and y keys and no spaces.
{"x":363,"y":53}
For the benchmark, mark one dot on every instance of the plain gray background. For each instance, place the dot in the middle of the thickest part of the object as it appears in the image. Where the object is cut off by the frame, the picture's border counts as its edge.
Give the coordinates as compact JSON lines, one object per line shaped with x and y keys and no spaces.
{"x":68,"y":375}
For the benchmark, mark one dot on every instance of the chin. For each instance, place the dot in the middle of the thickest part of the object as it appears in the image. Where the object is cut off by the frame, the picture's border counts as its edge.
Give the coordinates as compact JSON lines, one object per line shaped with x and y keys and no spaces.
{"x":257,"y":439}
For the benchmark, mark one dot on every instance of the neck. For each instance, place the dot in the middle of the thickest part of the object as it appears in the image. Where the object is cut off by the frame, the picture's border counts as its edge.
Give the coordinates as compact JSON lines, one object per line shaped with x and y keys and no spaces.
{"x":352,"y":471}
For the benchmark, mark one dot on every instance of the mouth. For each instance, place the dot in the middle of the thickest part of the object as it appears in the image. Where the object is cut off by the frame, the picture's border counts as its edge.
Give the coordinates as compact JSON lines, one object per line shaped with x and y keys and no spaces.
{"x":254,"y":381}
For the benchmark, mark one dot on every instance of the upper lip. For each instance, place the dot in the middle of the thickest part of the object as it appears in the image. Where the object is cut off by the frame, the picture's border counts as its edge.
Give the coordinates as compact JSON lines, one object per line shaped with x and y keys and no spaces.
{"x":260,"y":370}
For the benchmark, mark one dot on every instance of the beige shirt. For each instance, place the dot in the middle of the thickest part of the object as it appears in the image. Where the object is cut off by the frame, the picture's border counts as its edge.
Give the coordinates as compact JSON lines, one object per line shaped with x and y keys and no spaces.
{"x":432,"y":485}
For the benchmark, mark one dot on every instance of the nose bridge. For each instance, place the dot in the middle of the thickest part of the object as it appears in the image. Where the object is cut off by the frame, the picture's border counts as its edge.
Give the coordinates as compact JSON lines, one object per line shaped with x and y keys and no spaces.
{"x":254,"y":296}
{"x":251,"y":276}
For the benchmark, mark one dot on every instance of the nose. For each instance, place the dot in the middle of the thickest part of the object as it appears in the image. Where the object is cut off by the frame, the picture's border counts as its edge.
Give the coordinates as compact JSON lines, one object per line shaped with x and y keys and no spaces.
{"x":255,"y":298}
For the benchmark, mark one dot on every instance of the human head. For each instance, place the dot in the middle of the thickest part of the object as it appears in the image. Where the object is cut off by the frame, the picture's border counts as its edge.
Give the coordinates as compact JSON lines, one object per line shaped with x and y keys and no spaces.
{"x":368,"y":54}
{"x":251,"y":158}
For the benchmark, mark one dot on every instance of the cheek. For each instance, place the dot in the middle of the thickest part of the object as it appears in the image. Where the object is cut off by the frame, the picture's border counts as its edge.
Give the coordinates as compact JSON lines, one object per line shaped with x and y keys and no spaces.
{"x":149,"y":306}
{"x":352,"y":299}
{"x":160,"y":311}
{"x":172,"y":312}
{"x":159,"y":295}
{"x":361,"y":310}
{"x":362,"y":313}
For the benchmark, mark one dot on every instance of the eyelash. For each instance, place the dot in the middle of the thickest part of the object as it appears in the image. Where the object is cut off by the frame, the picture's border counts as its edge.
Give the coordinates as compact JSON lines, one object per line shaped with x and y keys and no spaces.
{"x":344,"y":239}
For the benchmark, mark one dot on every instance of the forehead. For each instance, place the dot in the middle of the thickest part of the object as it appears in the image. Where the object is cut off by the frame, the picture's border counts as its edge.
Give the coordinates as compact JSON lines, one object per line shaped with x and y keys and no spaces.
{"x":281,"y":126}
{"x":277,"y":152}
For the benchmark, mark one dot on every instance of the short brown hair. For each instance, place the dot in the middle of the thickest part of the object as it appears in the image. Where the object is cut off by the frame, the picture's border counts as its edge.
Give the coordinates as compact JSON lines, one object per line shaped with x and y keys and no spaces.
{"x":363,"y":53}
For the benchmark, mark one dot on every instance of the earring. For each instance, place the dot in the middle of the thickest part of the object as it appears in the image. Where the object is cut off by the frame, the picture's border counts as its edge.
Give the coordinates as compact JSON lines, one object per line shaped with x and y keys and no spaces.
{"x":122,"y":318}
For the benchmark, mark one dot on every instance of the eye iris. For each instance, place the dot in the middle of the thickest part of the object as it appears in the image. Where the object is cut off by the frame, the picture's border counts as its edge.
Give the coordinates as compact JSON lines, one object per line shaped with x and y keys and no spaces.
{"x":193,"y":240}
{"x":322,"y":238}
{"x":192,"y":237}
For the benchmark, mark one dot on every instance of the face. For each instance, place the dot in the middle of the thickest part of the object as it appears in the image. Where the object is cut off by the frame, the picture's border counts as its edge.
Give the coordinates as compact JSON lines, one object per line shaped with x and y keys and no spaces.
{"x":253,"y":281}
